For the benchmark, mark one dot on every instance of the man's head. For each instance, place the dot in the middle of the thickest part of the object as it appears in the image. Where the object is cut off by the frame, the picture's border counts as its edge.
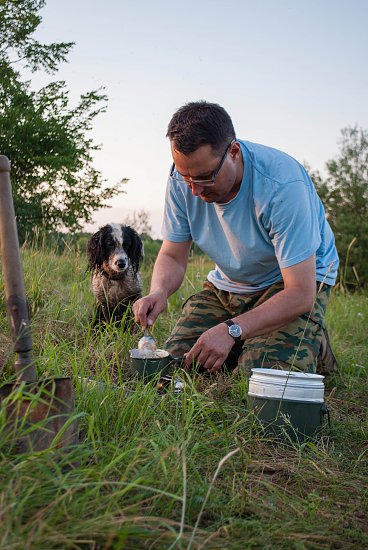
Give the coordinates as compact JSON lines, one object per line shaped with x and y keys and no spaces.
{"x":207,"y":157}
{"x":200,"y":123}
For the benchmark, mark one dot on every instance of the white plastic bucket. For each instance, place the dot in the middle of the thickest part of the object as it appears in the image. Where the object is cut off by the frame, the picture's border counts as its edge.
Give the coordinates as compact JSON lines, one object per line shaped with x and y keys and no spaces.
{"x":287,"y":402}
{"x":290,"y":385}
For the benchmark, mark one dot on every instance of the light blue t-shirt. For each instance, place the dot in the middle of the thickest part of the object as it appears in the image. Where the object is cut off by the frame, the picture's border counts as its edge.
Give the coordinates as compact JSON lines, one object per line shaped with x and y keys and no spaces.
{"x":275,"y":221}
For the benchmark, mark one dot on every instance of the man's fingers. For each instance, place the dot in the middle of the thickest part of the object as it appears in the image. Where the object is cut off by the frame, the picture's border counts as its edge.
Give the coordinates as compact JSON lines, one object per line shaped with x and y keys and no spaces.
{"x":208,"y":361}
{"x":153,"y":313}
{"x":190,"y":358}
{"x":140,"y":309}
{"x":196,"y":355}
{"x":217,"y":366}
{"x":188,"y":361}
{"x":147,"y":309}
{"x":212,"y":364}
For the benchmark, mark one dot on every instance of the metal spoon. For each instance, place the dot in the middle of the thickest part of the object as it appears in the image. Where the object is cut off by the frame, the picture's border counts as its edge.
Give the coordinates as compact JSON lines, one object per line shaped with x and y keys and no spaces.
{"x":147,"y":344}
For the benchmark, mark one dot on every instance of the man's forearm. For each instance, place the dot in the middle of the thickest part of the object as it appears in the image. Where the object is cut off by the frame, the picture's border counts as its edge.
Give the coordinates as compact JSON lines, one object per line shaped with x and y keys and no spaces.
{"x":276,"y":312}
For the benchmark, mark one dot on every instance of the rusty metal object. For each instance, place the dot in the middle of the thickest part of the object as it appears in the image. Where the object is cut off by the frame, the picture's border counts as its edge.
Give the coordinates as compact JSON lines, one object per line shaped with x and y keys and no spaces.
{"x":38,"y":413}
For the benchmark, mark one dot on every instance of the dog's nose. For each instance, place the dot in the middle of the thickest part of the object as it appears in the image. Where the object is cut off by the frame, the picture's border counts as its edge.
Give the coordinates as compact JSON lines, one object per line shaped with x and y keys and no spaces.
{"x":121,"y":264}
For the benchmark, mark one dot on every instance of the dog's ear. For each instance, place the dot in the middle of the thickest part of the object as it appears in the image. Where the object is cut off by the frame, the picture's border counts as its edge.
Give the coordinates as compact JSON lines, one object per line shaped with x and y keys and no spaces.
{"x":95,"y":251}
{"x":135,"y":248}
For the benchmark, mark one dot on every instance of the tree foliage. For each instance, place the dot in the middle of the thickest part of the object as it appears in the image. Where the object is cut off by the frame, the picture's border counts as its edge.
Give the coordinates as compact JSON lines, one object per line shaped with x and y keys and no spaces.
{"x":54,"y":182}
{"x":344,"y":192}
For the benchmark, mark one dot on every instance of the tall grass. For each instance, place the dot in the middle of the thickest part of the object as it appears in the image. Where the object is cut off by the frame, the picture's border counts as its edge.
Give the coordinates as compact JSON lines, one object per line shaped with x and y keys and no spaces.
{"x":176,"y":471}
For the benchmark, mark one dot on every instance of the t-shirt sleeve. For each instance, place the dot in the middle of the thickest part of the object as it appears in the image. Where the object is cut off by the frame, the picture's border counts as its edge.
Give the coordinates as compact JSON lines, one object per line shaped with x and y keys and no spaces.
{"x":293,"y":223}
{"x":175,"y":226}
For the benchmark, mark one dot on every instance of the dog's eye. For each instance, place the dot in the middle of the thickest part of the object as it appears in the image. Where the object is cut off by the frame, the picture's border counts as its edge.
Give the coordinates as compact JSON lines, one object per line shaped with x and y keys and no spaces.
{"x":110,"y":243}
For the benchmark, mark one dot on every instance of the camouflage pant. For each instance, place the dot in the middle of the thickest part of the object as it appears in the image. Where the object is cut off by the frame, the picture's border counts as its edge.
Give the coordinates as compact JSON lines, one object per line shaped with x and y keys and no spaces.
{"x":294,"y":346}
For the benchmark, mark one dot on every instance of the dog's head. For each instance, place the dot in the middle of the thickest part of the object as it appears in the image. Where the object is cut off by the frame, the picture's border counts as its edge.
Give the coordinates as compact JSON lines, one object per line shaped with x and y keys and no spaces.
{"x":115,"y":249}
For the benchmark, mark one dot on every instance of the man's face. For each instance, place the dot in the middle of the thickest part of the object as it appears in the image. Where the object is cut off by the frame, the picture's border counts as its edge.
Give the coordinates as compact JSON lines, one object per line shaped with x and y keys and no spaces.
{"x":202,"y":163}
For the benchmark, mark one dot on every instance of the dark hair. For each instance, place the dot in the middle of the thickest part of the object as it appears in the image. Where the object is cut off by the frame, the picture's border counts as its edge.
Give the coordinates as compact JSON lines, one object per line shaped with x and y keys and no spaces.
{"x":200,"y":123}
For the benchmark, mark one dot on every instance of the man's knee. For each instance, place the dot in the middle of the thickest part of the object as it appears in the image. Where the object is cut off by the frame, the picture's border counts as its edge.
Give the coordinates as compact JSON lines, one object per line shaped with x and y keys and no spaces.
{"x":296,"y":347}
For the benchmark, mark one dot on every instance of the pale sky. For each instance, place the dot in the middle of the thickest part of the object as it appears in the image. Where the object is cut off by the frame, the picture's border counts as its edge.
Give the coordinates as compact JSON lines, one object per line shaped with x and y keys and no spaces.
{"x":291,"y":74}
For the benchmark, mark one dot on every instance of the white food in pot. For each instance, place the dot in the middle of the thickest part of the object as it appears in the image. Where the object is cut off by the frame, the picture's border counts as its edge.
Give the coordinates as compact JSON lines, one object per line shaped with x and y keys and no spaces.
{"x":148,"y":354}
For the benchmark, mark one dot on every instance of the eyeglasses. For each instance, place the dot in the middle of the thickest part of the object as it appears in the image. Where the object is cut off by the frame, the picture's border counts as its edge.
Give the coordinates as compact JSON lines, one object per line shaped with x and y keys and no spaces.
{"x":199,"y":181}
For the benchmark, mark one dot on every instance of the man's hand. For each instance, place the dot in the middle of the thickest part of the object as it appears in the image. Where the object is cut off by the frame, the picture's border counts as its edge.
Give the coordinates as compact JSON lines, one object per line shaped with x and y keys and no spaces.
{"x":147,"y":309}
{"x":211,"y":349}
{"x":168,"y":274}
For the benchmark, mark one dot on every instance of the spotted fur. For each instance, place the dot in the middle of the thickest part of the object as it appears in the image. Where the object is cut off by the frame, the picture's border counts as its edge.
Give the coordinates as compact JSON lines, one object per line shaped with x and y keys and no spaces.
{"x":115,"y":254}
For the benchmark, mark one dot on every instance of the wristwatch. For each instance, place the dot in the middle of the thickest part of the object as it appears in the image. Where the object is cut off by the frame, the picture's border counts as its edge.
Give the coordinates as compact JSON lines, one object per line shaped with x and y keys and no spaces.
{"x":235,"y":330}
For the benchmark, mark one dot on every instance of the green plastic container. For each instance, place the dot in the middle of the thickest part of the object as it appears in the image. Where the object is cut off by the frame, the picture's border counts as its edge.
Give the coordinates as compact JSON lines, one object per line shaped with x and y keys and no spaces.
{"x":150,"y":367}
{"x":298,"y":420}
{"x":287,"y":403}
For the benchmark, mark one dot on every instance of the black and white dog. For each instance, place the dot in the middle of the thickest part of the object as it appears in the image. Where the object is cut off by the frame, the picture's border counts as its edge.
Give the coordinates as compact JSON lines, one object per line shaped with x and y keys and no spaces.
{"x":115,"y":254}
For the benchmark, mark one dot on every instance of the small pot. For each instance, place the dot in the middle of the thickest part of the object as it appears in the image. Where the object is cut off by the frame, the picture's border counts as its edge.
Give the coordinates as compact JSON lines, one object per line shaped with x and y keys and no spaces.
{"x":149,"y":367}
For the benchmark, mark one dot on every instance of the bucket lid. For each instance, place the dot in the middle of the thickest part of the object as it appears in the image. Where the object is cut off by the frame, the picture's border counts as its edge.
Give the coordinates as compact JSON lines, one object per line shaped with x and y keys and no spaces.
{"x":291,"y":375}
{"x":283,"y":384}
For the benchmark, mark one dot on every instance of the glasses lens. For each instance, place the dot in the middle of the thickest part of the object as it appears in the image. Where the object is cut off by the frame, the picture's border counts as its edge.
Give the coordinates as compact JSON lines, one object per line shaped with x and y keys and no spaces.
{"x":204,"y":183}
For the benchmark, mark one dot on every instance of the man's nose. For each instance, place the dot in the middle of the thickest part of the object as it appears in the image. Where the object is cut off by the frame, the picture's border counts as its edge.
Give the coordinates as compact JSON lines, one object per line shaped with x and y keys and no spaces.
{"x":196,"y":189}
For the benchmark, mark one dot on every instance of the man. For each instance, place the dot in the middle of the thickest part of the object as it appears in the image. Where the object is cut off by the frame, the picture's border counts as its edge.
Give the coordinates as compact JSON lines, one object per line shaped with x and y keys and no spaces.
{"x":254,"y":211}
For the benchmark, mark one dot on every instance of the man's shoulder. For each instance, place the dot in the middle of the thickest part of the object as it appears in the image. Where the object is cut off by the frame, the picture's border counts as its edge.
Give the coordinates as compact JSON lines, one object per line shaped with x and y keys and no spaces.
{"x":273,"y":164}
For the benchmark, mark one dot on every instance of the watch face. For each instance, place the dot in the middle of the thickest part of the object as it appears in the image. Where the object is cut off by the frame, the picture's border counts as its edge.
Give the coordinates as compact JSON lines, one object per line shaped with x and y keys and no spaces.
{"x":235,"y":331}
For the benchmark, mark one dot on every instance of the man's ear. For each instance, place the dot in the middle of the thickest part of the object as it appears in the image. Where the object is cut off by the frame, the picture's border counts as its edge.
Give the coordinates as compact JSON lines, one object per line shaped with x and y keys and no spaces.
{"x":235,"y":150}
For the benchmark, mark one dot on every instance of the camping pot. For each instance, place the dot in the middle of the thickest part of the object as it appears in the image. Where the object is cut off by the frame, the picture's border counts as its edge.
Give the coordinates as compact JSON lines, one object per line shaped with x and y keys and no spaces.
{"x":287,"y":402}
{"x":149,"y":367}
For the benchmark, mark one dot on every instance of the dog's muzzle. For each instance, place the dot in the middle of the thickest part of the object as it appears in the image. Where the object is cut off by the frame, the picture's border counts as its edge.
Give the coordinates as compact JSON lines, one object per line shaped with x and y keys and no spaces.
{"x":121,"y":264}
